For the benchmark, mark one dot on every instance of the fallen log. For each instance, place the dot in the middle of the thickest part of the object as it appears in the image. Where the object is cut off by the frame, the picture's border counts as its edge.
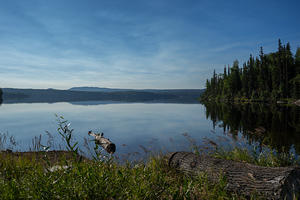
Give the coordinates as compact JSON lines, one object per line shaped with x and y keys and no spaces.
{"x":242,"y":178}
{"x":104,"y":142}
{"x":297,"y":102}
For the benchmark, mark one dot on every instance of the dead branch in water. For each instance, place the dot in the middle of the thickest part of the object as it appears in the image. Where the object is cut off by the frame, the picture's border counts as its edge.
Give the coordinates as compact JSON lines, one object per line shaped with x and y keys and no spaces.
{"x":104,"y":142}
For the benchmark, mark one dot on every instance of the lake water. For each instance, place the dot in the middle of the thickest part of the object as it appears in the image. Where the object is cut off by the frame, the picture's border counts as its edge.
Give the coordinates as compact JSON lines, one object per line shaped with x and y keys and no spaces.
{"x":274,"y":126}
{"x":131,"y":126}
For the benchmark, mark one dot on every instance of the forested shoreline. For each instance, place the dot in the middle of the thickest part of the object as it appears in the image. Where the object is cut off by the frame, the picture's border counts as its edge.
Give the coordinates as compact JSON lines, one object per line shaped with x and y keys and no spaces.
{"x":267,"y":78}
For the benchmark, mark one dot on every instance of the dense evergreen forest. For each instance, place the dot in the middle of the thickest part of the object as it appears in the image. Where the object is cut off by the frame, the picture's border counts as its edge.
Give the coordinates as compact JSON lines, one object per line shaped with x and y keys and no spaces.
{"x":269,"y":77}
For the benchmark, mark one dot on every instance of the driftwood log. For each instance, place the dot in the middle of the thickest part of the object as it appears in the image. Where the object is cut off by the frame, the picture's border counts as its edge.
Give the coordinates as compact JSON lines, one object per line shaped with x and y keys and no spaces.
{"x":242,"y":178}
{"x":297,"y":102}
{"x":104,"y":142}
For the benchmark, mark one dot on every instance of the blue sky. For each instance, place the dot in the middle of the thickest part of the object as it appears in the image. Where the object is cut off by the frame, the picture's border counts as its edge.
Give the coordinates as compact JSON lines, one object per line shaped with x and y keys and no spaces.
{"x":135,"y":43}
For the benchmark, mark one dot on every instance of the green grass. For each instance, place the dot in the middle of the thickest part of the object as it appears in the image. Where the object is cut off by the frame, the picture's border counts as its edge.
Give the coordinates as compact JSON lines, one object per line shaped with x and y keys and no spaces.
{"x":22,"y":178}
{"x":31,"y":177}
{"x":25,"y":178}
{"x":266,"y":158}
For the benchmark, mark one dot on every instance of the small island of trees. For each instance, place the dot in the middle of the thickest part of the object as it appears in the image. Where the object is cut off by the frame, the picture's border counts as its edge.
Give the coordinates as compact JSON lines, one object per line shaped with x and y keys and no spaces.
{"x":267,"y":78}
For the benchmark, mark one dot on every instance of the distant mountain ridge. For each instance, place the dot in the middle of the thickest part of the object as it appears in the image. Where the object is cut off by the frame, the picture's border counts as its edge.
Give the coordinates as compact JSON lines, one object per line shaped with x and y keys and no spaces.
{"x":81,"y":94}
{"x":97,"y":89}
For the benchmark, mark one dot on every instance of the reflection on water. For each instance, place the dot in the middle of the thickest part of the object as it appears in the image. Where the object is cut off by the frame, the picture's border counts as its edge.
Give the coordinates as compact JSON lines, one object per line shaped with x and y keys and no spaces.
{"x":276,"y":126}
{"x":131,"y":126}
{"x":138,"y":127}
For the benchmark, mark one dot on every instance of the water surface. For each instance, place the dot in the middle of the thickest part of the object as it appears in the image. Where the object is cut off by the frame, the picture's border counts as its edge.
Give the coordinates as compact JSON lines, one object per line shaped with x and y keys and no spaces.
{"x":134,"y":127}
{"x":156,"y":126}
{"x":274,"y":126}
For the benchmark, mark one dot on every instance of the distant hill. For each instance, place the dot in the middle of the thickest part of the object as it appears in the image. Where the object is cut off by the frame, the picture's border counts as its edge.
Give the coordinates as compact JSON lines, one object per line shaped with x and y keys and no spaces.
{"x":81,"y":94}
{"x":181,"y":95}
{"x":97,"y":89}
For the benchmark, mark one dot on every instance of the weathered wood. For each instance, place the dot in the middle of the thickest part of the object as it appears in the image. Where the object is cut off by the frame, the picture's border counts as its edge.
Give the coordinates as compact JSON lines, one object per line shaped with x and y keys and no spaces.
{"x":297,"y":102}
{"x":104,"y":142}
{"x":242,"y":178}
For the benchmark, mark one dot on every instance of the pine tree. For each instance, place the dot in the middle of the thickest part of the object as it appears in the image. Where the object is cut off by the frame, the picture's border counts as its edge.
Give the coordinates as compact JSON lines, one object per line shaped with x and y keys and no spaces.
{"x":297,"y":61}
{"x":245,"y":80}
{"x":290,"y":69}
{"x":235,"y":78}
{"x":295,"y":82}
{"x":280,"y":63}
{"x":225,"y":73}
{"x":252,"y":75}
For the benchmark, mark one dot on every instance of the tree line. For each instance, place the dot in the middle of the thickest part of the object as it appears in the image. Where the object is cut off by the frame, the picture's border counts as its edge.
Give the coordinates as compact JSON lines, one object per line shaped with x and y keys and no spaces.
{"x":269,"y":77}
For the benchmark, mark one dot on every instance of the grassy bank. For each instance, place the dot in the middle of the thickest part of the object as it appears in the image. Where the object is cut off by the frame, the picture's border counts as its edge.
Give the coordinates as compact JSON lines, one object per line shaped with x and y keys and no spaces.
{"x":23,"y":178}
{"x":39,"y":177}
{"x":66,"y":175}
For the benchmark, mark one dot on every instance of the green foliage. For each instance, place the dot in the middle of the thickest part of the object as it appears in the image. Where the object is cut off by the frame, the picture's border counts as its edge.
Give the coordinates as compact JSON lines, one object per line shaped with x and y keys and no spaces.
{"x":267,"y":78}
{"x":264,"y":158}
{"x":22,"y":178}
{"x":66,"y":133}
{"x":31,"y":178}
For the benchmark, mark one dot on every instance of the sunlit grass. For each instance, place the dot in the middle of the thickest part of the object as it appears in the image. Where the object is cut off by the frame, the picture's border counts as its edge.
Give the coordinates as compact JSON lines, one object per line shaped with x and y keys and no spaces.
{"x":266,"y":158}
{"x":23,"y":178}
{"x":68,"y":177}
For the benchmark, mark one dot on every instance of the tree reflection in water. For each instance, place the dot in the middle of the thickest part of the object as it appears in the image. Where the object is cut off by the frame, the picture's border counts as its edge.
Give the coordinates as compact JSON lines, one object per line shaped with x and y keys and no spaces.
{"x":275,"y":126}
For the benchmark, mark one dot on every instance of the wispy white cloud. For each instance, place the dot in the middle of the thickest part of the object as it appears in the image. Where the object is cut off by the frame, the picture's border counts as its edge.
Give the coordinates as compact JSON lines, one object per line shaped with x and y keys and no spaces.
{"x":225,"y":47}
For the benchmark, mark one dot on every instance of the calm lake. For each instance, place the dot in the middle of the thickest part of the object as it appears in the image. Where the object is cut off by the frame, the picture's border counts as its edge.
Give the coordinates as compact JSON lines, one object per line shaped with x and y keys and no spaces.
{"x":134,"y":127}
